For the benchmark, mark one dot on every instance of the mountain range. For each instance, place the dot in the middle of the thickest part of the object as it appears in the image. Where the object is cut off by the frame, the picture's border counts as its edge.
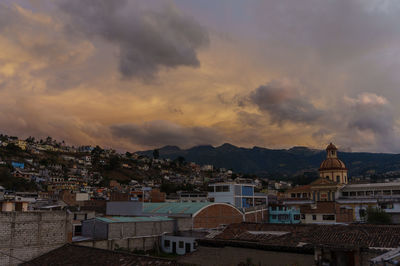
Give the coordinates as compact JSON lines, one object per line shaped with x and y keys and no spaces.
{"x":287,"y":162}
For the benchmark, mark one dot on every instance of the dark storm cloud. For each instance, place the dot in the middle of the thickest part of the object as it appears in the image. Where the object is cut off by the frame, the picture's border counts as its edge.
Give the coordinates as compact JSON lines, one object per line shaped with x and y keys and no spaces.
{"x":284,"y":104}
{"x":373,"y":114}
{"x":147,"y":40}
{"x":336,"y":30}
{"x":160,"y":132}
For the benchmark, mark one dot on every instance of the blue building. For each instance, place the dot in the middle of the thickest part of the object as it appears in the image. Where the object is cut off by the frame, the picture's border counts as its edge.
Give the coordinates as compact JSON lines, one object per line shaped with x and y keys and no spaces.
{"x":18,"y":165}
{"x":279,"y":214}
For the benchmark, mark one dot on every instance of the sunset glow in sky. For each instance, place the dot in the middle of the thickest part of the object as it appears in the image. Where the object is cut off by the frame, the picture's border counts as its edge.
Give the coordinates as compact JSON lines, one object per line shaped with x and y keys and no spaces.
{"x":136,"y":75}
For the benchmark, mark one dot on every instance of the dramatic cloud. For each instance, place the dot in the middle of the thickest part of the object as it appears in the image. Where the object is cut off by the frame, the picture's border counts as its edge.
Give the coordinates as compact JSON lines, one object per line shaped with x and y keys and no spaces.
{"x":160,"y":133}
{"x":212,"y":71}
{"x":284,"y":104}
{"x":147,"y":40}
{"x":370,"y":113}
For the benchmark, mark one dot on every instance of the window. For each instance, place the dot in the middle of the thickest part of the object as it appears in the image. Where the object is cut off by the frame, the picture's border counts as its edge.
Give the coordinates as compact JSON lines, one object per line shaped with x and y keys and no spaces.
{"x":167,"y":243}
{"x":345,"y":194}
{"x":283,"y":217}
{"x":75,"y":216}
{"x":222,"y":188}
{"x":274,"y":217}
{"x":352,"y":193}
{"x":296,"y":217}
{"x":293,"y":195}
{"x":386,"y":192}
{"x":369,"y":193}
{"x":338,"y":179}
{"x":387,"y":206}
{"x":304,"y":195}
{"x":303,"y":216}
{"x":298,"y":195}
{"x":328,"y":217}
{"x":327,"y":177}
{"x":360,"y":193}
{"x":314,"y":217}
{"x":180,"y":244}
{"x":396,"y":192}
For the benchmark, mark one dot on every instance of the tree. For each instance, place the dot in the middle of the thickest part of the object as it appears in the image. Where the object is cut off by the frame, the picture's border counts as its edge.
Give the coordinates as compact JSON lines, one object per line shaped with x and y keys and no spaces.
{"x":378,"y":216}
{"x":30,"y":139}
{"x":114,"y":163}
{"x":156,"y":154}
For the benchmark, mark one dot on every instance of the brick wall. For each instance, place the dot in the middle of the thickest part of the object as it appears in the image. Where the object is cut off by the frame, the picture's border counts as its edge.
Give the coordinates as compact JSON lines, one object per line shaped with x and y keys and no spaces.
{"x":258,"y":216}
{"x":343,"y":215}
{"x":26,"y":235}
{"x":217,"y":214}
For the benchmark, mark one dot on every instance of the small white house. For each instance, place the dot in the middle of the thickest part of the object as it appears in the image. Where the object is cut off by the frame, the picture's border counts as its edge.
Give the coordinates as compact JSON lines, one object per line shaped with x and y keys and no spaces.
{"x":182,"y":242}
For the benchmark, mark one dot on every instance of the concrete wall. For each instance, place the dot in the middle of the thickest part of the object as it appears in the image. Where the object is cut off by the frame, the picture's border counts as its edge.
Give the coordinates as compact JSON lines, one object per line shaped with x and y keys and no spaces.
{"x":26,"y":235}
{"x":183,"y":224}
{"x":95,"y":229}
{"x":180,"y":250}
{"x":233,"y":256}
{"x":134,"y":243}
{"x":126,"y":230}
{"x":319,"y":219}
{"x":124,"y":208}
{"x":101,"y":230}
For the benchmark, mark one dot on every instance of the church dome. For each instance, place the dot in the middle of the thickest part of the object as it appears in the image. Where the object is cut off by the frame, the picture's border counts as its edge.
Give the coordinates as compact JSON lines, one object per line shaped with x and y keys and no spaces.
{"x":331,"y":146}
{"x":332,"y":164}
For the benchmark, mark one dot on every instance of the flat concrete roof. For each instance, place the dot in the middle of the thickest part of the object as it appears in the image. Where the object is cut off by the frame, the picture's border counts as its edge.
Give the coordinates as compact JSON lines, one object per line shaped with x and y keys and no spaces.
{"x":123,"y":219}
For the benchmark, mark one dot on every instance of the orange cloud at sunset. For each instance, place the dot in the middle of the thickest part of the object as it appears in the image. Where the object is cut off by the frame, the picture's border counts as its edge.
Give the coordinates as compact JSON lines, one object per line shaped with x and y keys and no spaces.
{"x":133,"y":75}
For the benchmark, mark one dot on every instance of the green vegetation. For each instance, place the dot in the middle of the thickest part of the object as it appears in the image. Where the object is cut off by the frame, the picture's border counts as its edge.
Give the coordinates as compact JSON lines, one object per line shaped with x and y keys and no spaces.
{"x":378,"y":216}
{"x":173,"y":188}
{"x":11,"y":183}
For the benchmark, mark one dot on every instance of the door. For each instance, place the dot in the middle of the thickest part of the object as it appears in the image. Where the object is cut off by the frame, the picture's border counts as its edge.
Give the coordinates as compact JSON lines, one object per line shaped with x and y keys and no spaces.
{"x":174,"y":247}
{"x":187,"y":247}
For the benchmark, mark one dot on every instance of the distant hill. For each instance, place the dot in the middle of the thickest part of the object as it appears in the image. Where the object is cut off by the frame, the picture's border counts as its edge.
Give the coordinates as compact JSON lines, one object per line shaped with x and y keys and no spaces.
{"x":263,"y":161}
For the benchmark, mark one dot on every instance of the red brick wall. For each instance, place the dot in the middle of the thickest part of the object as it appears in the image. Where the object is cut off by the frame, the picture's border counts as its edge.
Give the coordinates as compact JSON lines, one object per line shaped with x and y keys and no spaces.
{"x":217,"y":214}
{"x":157,"y":196}
{"x":68,"y":197}
{"x":344,"y":215}
{"x":257,"y":217}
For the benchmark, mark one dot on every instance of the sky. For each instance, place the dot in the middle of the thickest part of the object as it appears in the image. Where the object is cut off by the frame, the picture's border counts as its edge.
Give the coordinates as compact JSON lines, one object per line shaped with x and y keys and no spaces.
{"x":134,"y":75}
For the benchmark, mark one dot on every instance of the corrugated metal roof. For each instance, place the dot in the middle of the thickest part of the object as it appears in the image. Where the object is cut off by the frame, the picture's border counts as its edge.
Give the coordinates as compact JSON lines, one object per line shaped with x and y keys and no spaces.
{"x":122,"y":219}
{"x":174,"y":207}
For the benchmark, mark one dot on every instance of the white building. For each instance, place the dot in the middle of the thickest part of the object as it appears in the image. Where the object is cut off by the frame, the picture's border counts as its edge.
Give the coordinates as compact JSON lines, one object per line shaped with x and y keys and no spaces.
{"x":239,"y":195}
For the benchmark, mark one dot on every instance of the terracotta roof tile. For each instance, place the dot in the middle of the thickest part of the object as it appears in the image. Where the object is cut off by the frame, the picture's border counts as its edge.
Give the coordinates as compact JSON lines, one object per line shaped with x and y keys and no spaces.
{"x":384,"y":236}
{"x":79,"y":255}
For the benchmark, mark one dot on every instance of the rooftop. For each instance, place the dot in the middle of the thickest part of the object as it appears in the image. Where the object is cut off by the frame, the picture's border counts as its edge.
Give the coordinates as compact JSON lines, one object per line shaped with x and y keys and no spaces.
{"x":79,"y":255}
{"x":174,"y":207}
{"x":310,"y":235}
{"x":123,"y":219}
{"x":372,"y":185}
